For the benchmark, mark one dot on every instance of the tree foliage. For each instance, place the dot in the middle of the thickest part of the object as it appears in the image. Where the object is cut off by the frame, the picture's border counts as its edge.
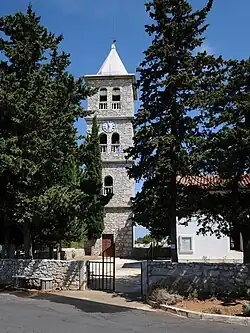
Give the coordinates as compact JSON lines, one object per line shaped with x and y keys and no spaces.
{"x":173,"y":77}
{"x":226,"y":153}
{"x":93,"y":176}
{"x":147,"y":239}
{"x":42,"y":191}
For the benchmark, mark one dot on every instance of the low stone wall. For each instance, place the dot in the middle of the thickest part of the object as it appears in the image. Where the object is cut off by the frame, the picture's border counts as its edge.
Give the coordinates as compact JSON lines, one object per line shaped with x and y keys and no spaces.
{"x":72,"y":253}
{"x":70,"y":275}
{"x":205,"y":279}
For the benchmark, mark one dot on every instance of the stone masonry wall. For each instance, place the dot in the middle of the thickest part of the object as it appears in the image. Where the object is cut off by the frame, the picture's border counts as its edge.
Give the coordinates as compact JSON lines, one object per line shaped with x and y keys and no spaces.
{"x":127,"y":101}
{"x":117,"y":222}
{"x":123,"y":187}
{"x":125,"y":130}
{"x":70,"y":275}
{"x":202,"y":278}
{"x":72,"y":253}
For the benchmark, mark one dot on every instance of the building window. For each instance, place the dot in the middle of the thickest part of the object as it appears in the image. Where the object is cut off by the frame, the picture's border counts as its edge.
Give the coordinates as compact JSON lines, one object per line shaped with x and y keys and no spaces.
{"x":116,"y":95}
{"x":103,"y":105}
{"x":116,"y":99}
{"x":115,"y":143}
{"x":108,"y":185}
{"x":103,"y":142}
{"x":236,"y":242}
{"x":186,"y":244}
{"x":103,"y":95}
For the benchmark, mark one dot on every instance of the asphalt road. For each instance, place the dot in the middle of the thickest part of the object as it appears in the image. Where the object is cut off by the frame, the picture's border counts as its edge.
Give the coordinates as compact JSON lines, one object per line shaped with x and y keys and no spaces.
{"x":59,"y":314}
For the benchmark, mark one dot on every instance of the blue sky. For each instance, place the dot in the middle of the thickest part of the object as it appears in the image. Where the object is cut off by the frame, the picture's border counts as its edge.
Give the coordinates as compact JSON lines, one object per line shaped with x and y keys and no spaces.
{"x":89,"y":26}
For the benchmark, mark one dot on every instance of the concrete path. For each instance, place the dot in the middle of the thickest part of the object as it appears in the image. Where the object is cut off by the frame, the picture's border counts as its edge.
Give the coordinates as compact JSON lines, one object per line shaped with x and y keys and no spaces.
{"x":127,"y":273}
{"x":128,"y":277}
{"x":49,"y":313}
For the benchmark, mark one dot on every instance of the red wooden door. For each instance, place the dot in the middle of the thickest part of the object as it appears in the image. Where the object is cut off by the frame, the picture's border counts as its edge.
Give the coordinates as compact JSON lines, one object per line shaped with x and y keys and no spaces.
{"x":107,"y":241}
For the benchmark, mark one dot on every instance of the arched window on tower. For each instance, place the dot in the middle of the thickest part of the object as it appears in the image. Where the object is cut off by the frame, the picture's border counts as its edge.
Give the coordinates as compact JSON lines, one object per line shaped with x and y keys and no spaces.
{"x":116,"y":99}
{"x":115,"y":143}
{"x":103,"y":142}
{"x":108,"y":185}
{"x":103,"y":98}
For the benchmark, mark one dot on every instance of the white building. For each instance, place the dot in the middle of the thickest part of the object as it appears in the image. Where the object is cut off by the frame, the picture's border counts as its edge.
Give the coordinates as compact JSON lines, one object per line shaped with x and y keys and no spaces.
{"x":194,"y":247}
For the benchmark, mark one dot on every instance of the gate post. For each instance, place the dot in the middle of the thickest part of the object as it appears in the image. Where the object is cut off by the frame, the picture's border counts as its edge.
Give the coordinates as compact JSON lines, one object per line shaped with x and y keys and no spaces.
{"x":103,"y":267}
{"x":88,"y":273}
{"x":83,"y":274}
{"x":144,"y":278}
{"x":114,"y":267}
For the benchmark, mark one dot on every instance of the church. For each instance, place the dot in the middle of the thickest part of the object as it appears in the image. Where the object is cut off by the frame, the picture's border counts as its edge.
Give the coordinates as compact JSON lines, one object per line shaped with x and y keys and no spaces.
{"x":113,"y":104}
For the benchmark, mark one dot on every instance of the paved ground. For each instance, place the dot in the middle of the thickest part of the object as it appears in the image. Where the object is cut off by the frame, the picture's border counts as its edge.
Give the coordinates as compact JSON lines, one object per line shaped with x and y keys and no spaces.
{"x":54,"y":313}
{"x":127,"y":273}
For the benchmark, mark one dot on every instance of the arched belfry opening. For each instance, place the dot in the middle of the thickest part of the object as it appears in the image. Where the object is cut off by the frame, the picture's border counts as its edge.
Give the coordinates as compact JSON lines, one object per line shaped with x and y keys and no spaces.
{"x":116,"y":98}
{"x":103,"y":98}
{"x":108,"y":185}
{"x":115,"y":143}
{"x":103,"y":142}
{"x":116,"y":95}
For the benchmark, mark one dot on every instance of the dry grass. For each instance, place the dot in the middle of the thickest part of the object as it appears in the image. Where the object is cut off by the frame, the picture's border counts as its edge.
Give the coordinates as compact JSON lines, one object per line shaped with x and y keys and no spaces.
{"x":216,"y":306}
{"x":162,"y":296}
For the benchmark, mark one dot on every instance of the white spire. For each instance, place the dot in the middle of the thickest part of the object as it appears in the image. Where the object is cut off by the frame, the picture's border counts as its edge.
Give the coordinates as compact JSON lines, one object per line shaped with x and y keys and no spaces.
{"x":113,"y":64}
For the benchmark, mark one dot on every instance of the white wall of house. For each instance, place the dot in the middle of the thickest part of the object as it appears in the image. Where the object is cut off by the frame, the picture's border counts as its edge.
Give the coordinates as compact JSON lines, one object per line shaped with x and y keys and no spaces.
{"x":193,"y":247}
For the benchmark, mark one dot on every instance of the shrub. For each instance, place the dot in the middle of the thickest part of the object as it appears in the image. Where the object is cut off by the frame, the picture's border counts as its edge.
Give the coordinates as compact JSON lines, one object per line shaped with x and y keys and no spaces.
{"x":193,"y":295}
{"x":214,"y":310}
{"x":246,"y":309}
{"x":162,"y":296}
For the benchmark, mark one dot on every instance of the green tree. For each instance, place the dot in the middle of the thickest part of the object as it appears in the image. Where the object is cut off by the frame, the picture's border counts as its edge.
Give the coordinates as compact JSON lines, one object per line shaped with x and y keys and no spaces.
{"x":172,"y":79}
{"x":226,"y":153}
{"x":39,"y":104}
{"x":147,"y":239}
{"x":93,"y":178}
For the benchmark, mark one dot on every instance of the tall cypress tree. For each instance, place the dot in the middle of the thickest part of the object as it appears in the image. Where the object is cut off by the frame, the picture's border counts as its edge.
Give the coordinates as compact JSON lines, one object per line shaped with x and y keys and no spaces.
{"x":93,"y":184}
{"x":171,"y":82}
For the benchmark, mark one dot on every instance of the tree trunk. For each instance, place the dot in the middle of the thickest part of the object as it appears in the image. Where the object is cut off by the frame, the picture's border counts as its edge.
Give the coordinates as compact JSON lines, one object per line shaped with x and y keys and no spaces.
{"x":58,"y":252}
{"x":173,"y":236}
{"x":172,"y":212}
{"x":172,"y":208}
{"x":11,"y":251}
{"x":246,"y":244}
{"x":6,"y":247}
{"x":173,"y":186}
{"x":51,"y":252}
{"x":27,"y":241}
{"x":92,"y":247}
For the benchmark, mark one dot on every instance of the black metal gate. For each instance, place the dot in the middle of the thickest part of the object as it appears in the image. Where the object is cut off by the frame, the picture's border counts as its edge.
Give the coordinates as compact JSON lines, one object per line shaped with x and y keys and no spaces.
{"x":101,"y":274}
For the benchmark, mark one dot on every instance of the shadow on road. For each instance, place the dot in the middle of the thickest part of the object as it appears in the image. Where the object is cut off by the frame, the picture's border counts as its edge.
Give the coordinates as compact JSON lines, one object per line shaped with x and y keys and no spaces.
{"x":83,"y":305}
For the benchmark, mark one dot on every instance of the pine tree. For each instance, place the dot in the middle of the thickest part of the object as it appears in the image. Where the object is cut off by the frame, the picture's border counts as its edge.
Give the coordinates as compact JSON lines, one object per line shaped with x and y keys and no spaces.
{"x":226,"y":151}
{"x":39,"y":104}
{"x":171,"y":82}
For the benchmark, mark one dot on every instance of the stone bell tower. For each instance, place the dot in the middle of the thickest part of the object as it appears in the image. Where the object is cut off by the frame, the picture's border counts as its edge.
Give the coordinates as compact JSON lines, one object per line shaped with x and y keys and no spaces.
{"x":114,"y":106}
